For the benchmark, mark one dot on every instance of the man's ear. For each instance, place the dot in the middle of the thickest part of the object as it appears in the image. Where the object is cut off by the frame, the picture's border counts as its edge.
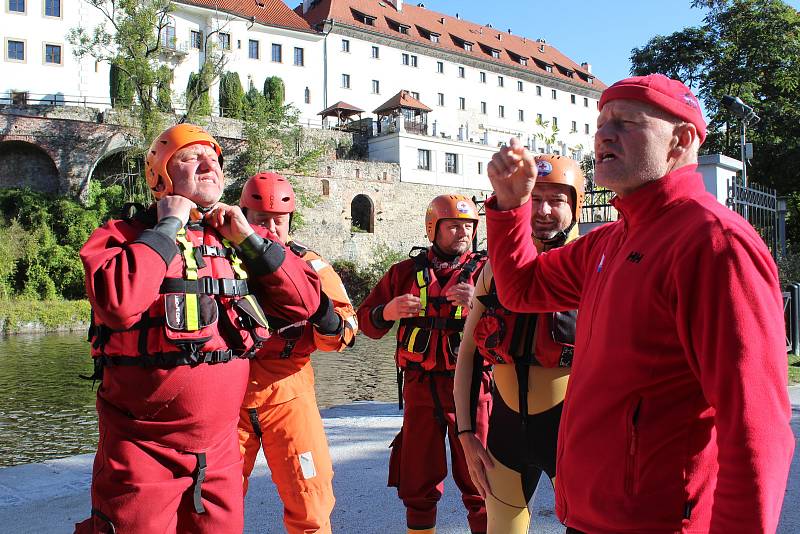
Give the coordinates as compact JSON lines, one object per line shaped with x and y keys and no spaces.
{"x":683,"y":138}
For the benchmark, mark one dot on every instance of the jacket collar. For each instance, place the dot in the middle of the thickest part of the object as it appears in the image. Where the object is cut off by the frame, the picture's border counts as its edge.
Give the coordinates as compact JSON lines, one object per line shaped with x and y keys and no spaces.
{"x":654,"y":197}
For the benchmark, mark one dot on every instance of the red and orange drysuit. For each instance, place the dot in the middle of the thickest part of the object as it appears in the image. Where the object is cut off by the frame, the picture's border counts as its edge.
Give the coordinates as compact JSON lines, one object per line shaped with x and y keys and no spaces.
{"x":280,"y":413}
{"x":427,"y":347}
{"x":174,"y":321}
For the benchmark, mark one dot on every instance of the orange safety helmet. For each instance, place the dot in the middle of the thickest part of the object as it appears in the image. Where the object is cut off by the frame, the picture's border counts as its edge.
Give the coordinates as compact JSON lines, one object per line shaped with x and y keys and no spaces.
{"x":165,"y":146}
{"x":449,"y":207}
{"x":268,"y":191}
{"x":554,"y":169}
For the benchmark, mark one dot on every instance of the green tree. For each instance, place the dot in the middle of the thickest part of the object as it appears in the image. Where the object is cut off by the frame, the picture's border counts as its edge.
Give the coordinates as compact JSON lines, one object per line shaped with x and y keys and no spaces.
{"x":749,"y":49}
{"x":275,"y":90}
{"x":164,"y":89}
{"x":198,"y":103}
{"x":547,"y":133}
{"x":231,"y":96}
{"x":120,"y":88}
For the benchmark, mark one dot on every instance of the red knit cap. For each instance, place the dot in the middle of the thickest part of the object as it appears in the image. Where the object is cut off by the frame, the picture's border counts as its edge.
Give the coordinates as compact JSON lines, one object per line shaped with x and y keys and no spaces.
{"x":662,"y":92}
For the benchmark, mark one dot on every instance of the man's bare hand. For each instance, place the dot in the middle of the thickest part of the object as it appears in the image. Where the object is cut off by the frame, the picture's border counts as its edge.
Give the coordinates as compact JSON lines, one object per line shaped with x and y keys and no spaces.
{"x":230,"y":222}
{"x":175,"y":206}
{"x":478,"y":462}
{"x":461,"y":294}
{"x":512,"y":172}
{"x":402,"y":307}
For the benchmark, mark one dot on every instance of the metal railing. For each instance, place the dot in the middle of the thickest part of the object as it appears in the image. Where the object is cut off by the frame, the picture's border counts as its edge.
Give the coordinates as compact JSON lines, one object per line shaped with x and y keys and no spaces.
{"x":597,"y":207}
{"x":26,"y":98}
{"x":759,"y":205}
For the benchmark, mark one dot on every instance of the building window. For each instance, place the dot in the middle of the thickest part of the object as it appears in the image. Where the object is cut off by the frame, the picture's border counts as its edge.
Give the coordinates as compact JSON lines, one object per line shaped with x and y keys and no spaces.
{"x":571,"y":99}
{"x":553,"y":94}
{"x":451,"y":163}
{"x":461,"y":72}
{"x":406,"y":59}
{"x":574,"y":128}
{"x":468,"y":47}
{"x":586,"y":128}
{"x":586,"y":102}
{"x":413,"y":61}
{"x":548,"y":68}
{"x":434,"y":37}
{"x":345,"y":81}
{"x":253,"y":49}
{"x":539,"y":118}
{"x":16,"y":6}
{"x":196,"y":39}
{"x":225,"y":41}
{"x":480,"y":167}
{"x":501,"y":111}
{"x":483,"y":108}
{"x":462,"y":103}
{"x":439,"y":67}
{"x":555,"y":122}
{"x":15,"y":50}
{"x":376,"y":87}
{"x":495,"y":53}
{"x":307,"y":96}
{"x":483,"y":77}
{"x":538,"y":90}
{"x":520,"y":115}
{"x":52,"y":54}
{"x":415,"y":94}
{"x":519,"y":87}
{"x":423,"y":159}
{"x":299,"y":57}
{"x":590,"y":80}
{"x":501,"y":82}
{"x":52,"y":8}
{"x":168,"y":39}
{"x":376,"y":52}
{"x":277,"y":53}
{"x":523,"y":61}
{"x":345,"y":45}
{"x":441,"y":99}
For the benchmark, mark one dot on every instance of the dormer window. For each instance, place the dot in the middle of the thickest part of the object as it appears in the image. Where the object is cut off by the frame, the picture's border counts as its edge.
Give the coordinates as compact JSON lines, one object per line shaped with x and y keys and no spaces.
{"x":548,"y":68}
{"x":522,"y":60}
{"x":461,"y":43}
{"x":468,"y":47}
{"x":398,"y":27}
{"x":495,"y":53}
{"x":363,"y":18}
{"x":429,"y":35}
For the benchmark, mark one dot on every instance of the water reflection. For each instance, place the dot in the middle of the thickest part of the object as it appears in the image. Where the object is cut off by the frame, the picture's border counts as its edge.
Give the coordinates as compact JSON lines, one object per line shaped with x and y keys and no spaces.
{"x":47,"y":412}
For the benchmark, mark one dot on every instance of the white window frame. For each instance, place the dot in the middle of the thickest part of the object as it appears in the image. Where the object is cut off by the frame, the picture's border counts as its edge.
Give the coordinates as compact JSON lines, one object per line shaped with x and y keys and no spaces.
{"x":24,"y":49}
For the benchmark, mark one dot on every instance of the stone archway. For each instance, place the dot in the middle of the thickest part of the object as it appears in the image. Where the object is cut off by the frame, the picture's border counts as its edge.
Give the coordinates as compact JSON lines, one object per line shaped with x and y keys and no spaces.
{"x":24,"y":164}
{"x":362,"y":214}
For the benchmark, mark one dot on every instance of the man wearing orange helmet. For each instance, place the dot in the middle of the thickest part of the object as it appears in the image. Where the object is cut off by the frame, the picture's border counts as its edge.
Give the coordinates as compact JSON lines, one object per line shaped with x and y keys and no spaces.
{"x":430,"y":294}
{"x":175,"y":317}
{"x":532,"y":357}
{"x":279,"y":412}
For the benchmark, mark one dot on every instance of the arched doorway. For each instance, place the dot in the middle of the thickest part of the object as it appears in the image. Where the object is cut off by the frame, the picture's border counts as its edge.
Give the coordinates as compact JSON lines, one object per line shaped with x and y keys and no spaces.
{"x":24,"y":164}
{"x":362,"y":214}
{"x":124,"y":168}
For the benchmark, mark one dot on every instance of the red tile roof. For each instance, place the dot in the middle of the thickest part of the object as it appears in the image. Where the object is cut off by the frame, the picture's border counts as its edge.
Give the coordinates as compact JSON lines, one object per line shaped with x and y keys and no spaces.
{"x":403,"y":99}
{"x":420,"y":22}
{"x":267,"y":12}
{"x":342,"y":108}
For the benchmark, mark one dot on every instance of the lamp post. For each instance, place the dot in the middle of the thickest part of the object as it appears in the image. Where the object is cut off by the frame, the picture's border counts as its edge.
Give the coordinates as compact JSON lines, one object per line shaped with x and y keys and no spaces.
{"x":746,"y":116}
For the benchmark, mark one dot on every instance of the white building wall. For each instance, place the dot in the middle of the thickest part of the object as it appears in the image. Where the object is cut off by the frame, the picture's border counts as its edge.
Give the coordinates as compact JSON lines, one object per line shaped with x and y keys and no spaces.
{"x":450,"y":121}
{"x":71,"y":81}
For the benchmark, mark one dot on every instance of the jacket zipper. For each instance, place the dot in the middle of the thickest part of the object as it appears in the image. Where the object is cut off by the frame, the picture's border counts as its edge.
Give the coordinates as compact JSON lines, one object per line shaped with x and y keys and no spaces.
{"x":633,"y":444}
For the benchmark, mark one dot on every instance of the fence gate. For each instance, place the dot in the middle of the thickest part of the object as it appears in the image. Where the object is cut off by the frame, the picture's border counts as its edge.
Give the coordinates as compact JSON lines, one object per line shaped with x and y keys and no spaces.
{"x":759,"y":205}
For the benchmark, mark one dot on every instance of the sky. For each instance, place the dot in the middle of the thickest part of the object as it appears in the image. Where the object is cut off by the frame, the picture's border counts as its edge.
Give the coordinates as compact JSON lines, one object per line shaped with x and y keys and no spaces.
{"x":602,"y":33}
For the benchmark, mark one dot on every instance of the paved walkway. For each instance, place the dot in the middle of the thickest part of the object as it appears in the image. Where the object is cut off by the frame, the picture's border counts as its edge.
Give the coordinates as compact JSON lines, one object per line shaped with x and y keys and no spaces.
{"x":51,"y":496}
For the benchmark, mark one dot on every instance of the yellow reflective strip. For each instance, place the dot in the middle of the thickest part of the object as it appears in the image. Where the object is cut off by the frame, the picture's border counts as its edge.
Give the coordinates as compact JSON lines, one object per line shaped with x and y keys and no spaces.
{"x":412,"y":339}
{"x":458,"y":313}
{"x":423,"y":300}
{"x":192,"y":318}
{"x":236,"y":261}
{"x":256,"y":308}
{"x":188,"y":255}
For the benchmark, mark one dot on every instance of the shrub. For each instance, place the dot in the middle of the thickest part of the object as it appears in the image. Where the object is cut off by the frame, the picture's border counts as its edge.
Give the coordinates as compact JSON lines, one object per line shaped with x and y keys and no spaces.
{"x":360,"y":281}
{"x":231,"y":96}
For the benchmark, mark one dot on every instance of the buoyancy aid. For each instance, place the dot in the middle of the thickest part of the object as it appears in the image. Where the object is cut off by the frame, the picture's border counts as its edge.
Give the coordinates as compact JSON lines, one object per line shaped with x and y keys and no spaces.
{"x":504,"y":337}
{"x":438,"y":327}
{"x":297,"y":340}
{"x":203,"y":314}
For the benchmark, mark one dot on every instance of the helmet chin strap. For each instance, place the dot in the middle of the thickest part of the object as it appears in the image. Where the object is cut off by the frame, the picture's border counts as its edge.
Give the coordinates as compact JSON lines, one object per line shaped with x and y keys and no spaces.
{"x":560,"y":237}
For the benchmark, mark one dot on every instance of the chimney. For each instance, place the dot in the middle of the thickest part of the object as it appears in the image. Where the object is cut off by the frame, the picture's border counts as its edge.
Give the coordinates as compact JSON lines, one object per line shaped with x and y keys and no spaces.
{"x":458,"y":16}
{"x":587,"y":67}
{"x":509,"y":31}
{"x":398,"y":4}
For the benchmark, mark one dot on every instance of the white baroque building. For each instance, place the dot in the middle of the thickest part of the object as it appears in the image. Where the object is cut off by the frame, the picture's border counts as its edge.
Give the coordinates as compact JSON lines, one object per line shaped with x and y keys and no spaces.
{"x":483,"y":85}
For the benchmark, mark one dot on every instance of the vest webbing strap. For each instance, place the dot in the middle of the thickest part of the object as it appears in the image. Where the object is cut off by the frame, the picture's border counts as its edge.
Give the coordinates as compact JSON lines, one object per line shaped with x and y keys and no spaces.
{"x":190,"y":273}
{"x":236,"y":261}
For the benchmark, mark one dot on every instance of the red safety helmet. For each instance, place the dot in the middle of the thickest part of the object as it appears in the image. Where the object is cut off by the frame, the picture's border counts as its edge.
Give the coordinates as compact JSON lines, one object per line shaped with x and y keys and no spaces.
{"x":449,"y":207}
{"x":165,"y":146}
{"x":268,"y":191}
{"x":555,"y":169}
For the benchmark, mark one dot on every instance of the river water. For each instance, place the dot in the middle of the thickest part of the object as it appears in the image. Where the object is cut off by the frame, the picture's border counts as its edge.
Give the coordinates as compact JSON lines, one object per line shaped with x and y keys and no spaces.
{"x":47,"y":412}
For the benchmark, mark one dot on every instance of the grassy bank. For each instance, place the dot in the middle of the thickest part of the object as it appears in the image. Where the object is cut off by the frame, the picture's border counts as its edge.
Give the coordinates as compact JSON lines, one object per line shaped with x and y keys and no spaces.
{"x":21,"y":316}
{"x":794,"y":369}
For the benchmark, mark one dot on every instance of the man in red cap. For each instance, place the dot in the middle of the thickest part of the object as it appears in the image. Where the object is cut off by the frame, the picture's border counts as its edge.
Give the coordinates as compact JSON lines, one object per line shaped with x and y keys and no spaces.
{"x":677,"y":415}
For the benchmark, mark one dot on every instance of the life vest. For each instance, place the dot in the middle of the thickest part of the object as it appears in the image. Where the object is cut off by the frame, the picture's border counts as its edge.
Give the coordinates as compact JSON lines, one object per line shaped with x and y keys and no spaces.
{"x":206,"y":315}
{"x":502,"y":336}
{"x":438,"y":327}
{"x":297,"y":340}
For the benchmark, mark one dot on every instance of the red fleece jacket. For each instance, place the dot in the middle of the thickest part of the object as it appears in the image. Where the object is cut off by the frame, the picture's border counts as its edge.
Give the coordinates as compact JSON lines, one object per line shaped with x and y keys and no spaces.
{"x":677,"y":414}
